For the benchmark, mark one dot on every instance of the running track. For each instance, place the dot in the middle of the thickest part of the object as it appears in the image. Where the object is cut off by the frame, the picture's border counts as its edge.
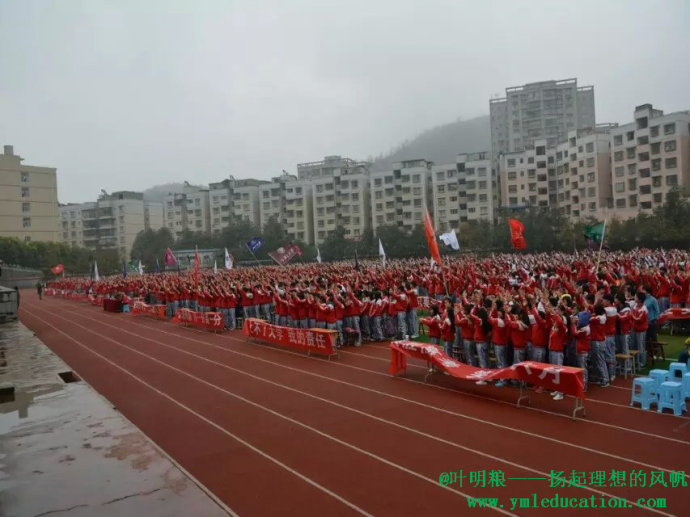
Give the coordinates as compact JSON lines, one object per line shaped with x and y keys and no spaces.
{"x":273,"y":432}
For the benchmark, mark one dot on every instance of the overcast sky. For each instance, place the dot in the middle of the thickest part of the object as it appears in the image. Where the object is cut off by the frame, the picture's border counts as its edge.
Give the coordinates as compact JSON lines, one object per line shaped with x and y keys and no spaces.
{"x":127,"y":94}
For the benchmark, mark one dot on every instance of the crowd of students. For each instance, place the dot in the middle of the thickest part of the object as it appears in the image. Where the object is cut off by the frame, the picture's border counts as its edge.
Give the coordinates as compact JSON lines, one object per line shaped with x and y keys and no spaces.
{"x":574,"y":309}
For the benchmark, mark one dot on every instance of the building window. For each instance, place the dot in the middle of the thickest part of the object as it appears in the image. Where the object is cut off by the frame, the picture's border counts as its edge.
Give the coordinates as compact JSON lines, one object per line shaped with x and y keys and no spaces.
{"x":670,"y":146}
{"x":25,"y":177}
{"x":671,"y":163}
{"x":25,"y":191}
{"x":620,"y":186}
{"x":620,"y":202}
{"x":672,"y":180}
{"x":27,"y":238}
{"x":655,"y":148}
{"x":632,"y":200}
{"x":591,"y":177}
{"x":656,"y":181}
{"x":632,"y":184}
{"x":656,"y":164}
{"x":26,"y":222}
{"x":658,"y":198}
{"x":26,"y":207}
{"x":620,"y":171}
{"x":618,"y":140}
{"x":618,"y":156}
{"x":654,"y":131}
{"x":669,"y":129}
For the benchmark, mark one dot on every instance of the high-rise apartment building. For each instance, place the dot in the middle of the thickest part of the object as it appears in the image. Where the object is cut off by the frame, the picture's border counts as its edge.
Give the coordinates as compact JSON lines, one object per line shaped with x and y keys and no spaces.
{"x":189,"y":210}
{"x":546,"y":110}
{"x":233,"y":199}
{"x":448,"y":199}
{"x":299,"y":224}
{"x":479,"y":180}
{"x":112,"y":222}
{"x":341,"y":196}
{"x":650,"y":156}
{"x":28,"y":199}
{"x":272,"y":199}
{"x":401,"y":196}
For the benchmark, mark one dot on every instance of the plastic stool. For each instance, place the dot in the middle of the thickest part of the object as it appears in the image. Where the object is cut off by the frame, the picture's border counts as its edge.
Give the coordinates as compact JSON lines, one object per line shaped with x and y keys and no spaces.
{"x":670,"y":398}
{"x":659,"y":376}
{"x":676,"y":371}
{"x":625,"y":364}
{"x":644,"y":392}
{"x":686,"y":386}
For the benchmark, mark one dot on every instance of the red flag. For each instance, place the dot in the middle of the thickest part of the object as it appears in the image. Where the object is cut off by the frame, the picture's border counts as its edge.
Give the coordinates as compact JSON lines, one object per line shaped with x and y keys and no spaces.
{"x":516,"y":238}
{"x":170,"y":259}
{"x":284,"y":254}
{"x":196,"y":266}
{"x":57,"y":269}
{"x":431,"y":238}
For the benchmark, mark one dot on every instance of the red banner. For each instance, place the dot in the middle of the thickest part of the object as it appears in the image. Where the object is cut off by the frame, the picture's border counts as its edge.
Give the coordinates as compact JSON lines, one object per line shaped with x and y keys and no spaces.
{"x":677,"y":313}
{"x":431,"y":238}
{"x":96,"y":300}
{"x":319,"y":341}
{"x":207,"y":320}
{"x":154,"y":311}
{"x":565,"y":379}
{"x":57,"y":269}
{"x":285,"y":254}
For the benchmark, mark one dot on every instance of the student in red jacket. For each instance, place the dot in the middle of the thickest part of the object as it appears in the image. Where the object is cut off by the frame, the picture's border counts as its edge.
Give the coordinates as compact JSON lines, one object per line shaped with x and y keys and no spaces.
{"x":499,"y":336}
{"x":580,"y":329}
{"x":482,"y":330}
{"x":557,"y":338}
{"x":464,"y":323}
{"x":520,"y":333}
{"x":433,"y":323}
{"x":446,"y":329}
{"x":640,"y":319}
{"x":540,"y":334}
{"x":598,"y":343}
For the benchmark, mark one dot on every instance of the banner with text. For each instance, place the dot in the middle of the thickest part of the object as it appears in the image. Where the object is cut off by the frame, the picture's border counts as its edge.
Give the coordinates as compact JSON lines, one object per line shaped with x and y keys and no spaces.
{"x":207,"y":320}
{"x":154,"y":311}
{"x":565,"y":379}
{"x":318,"y":341}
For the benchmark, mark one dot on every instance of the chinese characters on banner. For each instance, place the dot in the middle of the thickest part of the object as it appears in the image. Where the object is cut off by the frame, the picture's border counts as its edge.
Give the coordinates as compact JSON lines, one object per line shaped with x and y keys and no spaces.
{"x":208,"y":320}
{"x":155,"y":311}
{"x":565,"y":379}
{"x":318,"y":341}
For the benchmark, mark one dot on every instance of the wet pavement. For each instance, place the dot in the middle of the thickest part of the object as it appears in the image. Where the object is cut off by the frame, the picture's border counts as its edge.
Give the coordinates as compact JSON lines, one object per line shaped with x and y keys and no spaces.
{"x":64,"y":450}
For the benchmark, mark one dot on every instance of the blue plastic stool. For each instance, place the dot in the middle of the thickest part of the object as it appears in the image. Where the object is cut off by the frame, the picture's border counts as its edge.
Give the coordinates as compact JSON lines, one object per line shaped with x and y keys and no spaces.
{"x":676,"y":371}
{"x":670,"y":398}
{"x":644,"y":392}
{"x":659,"y":377}
{"x":686,"y":386}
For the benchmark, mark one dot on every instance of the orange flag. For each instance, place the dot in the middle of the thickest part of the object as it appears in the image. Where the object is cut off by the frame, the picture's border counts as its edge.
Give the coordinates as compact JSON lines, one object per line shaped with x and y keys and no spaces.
{"x":431,"y":238}
{"x":516,"y":238}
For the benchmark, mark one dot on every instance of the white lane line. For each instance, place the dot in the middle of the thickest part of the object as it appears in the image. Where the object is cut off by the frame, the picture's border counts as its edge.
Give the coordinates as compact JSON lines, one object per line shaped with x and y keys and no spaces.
{"x":433,"y":482}
{"x":210,"y":422}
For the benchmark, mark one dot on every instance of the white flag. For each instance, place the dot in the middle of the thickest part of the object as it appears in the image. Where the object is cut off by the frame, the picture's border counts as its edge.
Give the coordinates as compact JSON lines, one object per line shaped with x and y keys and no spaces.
{"x":140,"y":268}
{"x":450,"y":239}
{"x":215,"y":266}
{"x":382,"y":253}
{"x":228,"y":260}
{"x":318,"y":255}
{"x":96,"y":277}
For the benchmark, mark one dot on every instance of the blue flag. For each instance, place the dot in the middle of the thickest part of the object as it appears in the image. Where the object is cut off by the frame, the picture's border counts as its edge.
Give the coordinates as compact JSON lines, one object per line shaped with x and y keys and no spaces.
{"x":255,"y":244}
{"x":124,"y":269}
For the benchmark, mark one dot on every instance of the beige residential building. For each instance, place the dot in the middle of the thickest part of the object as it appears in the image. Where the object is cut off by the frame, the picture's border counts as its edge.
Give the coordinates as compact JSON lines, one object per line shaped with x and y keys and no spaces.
{"x":400,"y":197}
{"x":649,"y":157}
{"x":478,"y":180}
{"x":272,"y":199}
{"x":233,"y":199}
{"x":111,"y":222}
{"x":445,"y":181}
{"x":341,"y":196}
{"x":28,"y":199}
{"x":545,"y":110}
{"x":574,"y":176}
{"x":188,"y":210}
{"x":299,"y":224}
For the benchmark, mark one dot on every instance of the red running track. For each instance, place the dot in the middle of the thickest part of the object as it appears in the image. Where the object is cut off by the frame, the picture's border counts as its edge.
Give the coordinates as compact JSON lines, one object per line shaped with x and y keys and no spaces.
{"x":273,"y":432}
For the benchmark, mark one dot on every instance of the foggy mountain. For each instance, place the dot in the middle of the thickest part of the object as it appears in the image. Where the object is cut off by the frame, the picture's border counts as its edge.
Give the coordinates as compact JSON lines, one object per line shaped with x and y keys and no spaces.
{"x":441,"y":144}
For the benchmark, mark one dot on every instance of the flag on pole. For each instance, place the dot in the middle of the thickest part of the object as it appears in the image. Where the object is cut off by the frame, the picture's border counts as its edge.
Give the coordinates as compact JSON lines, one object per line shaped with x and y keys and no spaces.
{"x":431,"y":238}
{"x":140,"y":268}
{"x":228,"y":260}
{"x":382,"y":253}
{"x":255,"y":244}
{"x":215,"y":266}
{"x":170,"y":259}
{"x":450,"y":239}
{"x":158,"y":266}
{"x":516,"y":237}
{"x":284,"y":254}
{"x":124,"y":269}
{"x":318,"y":255}
{"x":596,"y":232}
{"x":58,"y":269}
{"x":196,"y":265}
{"x":96,"y":276}
{"x":356,"y":261}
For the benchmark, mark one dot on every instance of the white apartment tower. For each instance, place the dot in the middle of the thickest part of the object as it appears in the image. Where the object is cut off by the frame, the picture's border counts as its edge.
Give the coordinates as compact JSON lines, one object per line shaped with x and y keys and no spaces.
{"x":546,"y":110}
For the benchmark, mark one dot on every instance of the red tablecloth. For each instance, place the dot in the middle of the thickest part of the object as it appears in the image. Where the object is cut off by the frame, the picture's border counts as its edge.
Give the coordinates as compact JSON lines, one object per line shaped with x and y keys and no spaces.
{"x":112,"y":305}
